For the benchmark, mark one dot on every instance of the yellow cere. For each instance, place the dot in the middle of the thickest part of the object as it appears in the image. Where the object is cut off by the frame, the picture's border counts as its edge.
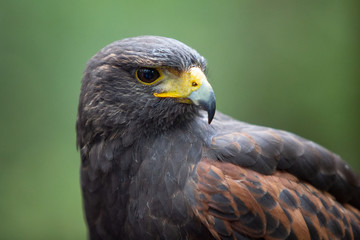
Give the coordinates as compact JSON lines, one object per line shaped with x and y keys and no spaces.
{"x":182,"y":86}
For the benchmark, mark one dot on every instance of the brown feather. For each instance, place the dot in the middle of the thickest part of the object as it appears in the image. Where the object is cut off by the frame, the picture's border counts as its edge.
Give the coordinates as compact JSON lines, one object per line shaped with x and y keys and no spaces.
{"x":231,"y":200}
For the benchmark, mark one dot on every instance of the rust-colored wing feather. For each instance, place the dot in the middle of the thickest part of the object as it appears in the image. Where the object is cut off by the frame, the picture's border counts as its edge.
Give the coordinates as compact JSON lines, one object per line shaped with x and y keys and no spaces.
{"x":267,"y":150}
{"x":238,"y":203}
{"x":260,"y":183}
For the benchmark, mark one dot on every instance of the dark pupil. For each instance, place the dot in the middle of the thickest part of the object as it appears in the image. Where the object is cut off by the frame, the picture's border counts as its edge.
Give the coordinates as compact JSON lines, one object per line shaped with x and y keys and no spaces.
{"x":148,"y":75}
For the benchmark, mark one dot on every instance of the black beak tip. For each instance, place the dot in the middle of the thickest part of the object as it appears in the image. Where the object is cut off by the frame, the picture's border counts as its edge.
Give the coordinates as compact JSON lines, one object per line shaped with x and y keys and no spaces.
{"x":210,"y":119}
{"x":211,"y":112}
{"x":210,"y":107}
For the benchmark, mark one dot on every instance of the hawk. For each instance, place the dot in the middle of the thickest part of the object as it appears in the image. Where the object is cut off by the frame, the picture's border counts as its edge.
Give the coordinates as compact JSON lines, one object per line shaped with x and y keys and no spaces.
{"x":158,"y":163}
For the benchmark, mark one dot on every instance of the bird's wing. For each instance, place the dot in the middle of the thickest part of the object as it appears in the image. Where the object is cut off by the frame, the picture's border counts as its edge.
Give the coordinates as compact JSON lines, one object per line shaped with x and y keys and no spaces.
{"x":266,"y":150}
{"x":238,"y":203}
{"x":260,"y":182}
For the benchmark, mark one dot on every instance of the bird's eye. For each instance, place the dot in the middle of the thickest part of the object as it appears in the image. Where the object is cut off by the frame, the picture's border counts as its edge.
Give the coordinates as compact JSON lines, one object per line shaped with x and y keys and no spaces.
{"x":147,"y":75}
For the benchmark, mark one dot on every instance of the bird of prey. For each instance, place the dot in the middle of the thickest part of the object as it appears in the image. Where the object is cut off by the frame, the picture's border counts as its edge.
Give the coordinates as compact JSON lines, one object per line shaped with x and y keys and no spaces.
{"x":158,"y":163}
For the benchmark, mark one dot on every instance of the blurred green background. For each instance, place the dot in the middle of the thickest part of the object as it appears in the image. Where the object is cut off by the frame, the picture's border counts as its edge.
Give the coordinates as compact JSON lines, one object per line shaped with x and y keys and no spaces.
{"x":292,"y":65}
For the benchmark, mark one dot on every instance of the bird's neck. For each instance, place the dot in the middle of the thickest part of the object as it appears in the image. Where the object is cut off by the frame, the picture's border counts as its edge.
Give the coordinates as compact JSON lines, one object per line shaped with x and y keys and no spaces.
{"x":139,"y":177}
{"x":135,"y":177}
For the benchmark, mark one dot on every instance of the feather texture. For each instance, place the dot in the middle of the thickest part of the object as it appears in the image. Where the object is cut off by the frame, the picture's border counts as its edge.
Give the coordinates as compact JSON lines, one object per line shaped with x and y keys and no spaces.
{"x":153,"y":168}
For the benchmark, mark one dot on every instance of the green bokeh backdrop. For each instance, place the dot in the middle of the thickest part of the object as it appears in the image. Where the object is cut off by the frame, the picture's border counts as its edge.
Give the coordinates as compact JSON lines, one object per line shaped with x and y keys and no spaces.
{"x":292,"y":65}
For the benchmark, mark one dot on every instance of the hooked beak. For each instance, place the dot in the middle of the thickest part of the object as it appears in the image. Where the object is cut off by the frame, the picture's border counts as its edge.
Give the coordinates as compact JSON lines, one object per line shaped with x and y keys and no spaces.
{"x":191,"y":86}
{"x":205,"y":98}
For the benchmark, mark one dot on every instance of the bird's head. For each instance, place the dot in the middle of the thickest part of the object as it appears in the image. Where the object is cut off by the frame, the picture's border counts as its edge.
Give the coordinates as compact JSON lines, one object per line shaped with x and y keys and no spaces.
{"x":145,"y":81}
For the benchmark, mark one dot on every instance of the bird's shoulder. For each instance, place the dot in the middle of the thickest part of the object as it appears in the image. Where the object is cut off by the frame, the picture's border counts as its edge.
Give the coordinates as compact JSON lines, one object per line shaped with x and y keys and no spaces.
{"x":259,"y":182}
{"x":266,"y":150}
